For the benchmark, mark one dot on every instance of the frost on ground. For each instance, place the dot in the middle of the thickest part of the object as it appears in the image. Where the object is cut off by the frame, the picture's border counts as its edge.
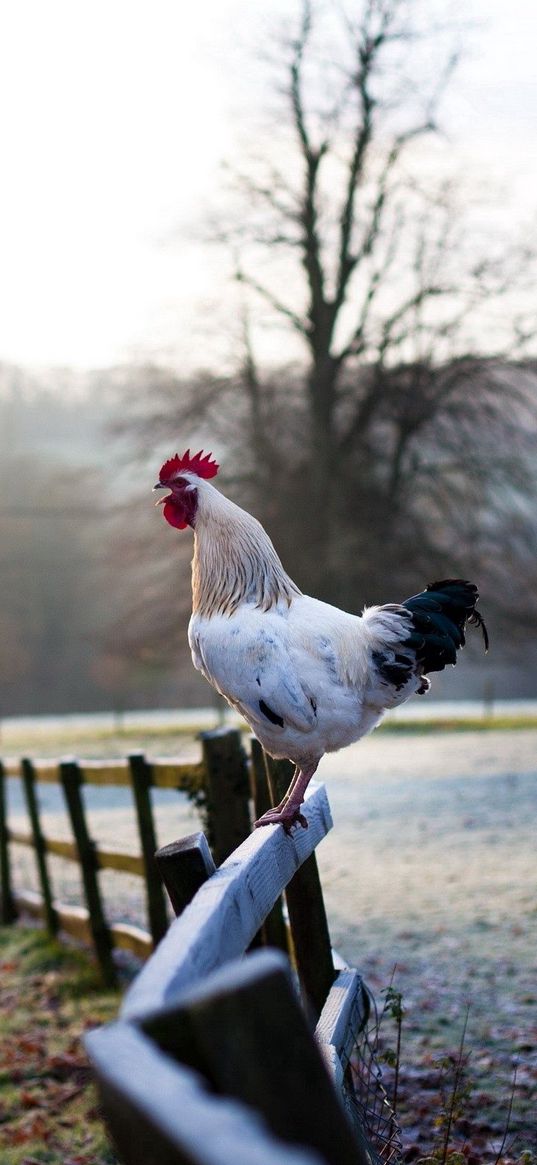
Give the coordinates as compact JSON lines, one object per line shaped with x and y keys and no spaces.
{"x":429,"y":876}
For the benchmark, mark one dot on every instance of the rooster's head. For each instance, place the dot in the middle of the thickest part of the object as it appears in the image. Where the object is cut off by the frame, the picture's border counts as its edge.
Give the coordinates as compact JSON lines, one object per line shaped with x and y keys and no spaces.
{"x":179,"y":476}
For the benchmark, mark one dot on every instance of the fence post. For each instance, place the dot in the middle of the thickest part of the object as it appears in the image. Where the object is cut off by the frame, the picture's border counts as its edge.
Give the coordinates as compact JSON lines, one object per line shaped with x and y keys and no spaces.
{"x":274,"y":932}
{"x":307,"y":913}
{"x":249,"y":1038}
{"x":227,"y":790}
{"x":8,"y":911}
{"x":184,"y":866}
{"x":28,"y":780}
{"x":71,"y":780}
{"x":142,"y":779}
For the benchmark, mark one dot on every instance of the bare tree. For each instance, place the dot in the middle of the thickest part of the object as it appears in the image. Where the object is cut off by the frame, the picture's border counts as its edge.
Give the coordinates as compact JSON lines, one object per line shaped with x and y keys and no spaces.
{"x":378,"y":447}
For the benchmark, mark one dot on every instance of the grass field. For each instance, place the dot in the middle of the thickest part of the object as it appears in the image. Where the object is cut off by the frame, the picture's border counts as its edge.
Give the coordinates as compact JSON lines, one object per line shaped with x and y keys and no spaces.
{"x":50,"y":995}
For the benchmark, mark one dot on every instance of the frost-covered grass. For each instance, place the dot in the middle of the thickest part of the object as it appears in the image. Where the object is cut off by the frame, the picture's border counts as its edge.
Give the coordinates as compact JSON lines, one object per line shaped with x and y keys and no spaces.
{"x":50,"y":995}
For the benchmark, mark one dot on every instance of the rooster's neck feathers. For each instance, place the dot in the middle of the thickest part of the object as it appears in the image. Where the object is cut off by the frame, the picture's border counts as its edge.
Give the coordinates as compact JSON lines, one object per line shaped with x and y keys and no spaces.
{"x":234,"y":559}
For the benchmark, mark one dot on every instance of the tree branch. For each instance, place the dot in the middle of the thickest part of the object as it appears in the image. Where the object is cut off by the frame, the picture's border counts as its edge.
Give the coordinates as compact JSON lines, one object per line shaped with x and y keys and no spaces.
{"x":312,"y":159}
{"x":358,"y":341}
{"x":367,"y":51}
{"x":279,"y":307}
{"x":429,"y":292}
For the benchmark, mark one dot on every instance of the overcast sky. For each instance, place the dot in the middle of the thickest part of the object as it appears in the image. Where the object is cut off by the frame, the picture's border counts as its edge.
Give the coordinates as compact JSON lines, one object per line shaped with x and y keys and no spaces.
{"x":114,"y":118}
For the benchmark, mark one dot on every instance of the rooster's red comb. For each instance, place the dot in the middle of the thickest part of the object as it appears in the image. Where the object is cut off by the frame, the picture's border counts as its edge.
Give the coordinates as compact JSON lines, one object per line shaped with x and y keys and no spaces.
{"x":203,"y":466}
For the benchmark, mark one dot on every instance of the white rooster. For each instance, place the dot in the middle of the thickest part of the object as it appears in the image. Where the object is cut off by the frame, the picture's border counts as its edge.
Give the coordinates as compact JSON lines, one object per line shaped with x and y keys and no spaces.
{"x":307,"y":677}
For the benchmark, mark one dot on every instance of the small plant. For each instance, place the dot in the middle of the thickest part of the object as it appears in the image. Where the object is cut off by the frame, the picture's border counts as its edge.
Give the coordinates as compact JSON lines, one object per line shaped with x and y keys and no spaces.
{"x":440,"y":1094}
{"x":455,"y":1092}
{"x":393,"y":1006}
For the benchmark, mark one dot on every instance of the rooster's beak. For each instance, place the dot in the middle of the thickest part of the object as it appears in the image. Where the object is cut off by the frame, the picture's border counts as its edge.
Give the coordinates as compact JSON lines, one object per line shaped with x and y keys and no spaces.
{"x":160,"y":485}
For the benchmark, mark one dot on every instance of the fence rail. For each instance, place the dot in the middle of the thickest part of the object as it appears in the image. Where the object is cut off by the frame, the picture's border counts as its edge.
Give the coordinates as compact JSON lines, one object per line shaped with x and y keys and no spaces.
{"x":166,"y":774}
{"x":75,"y":921}
{"x":231,"y":1066}
{"x":219,"y":782}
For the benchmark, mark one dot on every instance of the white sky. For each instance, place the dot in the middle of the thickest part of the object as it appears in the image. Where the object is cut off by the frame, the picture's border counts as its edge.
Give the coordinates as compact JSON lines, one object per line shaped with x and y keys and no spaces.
{"x":114,"y":118}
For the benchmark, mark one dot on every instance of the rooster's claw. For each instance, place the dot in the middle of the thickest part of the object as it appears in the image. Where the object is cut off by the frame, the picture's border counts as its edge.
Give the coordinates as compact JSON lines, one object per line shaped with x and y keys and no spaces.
{"x":298,"y":819}
{"x":282,"y":817}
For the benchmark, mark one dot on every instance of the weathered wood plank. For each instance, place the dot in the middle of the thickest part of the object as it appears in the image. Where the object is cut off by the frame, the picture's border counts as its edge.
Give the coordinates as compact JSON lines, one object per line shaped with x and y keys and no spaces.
{"x":71,"y":782}
{"x":162,"y":1114}
{"x":11,"y":767}
{"x":109,"y":859}
{"x":8,"y":911}
{"x":51,"y":845}
{"x":75,"y":920}
{"x":106,"y":859}
{"x":28,"y":781}
{"x":227,"y":791}
{"x":41,"y":769}
{"x":307,"y":912}
{"x":178,"y":774}
{"x":184,"y":866}
{"x":310,"y":934}
{"x":95,"y":772}
{"x":181,"y":775}
{"x":228,"y":910}
{"x":141,"y":776}
{"x":132,"y":938}
{"x":92,"y":772}
{"x":274,"y":932}
{"x":22,"y":837}
{"x":344,"y":1015}
{"x":244,"y":1029}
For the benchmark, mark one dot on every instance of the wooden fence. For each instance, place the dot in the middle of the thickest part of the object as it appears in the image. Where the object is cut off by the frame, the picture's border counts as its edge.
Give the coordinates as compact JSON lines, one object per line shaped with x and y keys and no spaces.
{"x":226,"y":1065}
{"x":222,"y":782}
{"x":218,"y":1058}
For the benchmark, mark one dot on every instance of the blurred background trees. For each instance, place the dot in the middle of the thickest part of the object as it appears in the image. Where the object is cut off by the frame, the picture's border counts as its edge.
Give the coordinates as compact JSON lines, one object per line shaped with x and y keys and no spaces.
{"x":381,"y":418}
{"x":378,"y":412}
{"x":80,"y":589}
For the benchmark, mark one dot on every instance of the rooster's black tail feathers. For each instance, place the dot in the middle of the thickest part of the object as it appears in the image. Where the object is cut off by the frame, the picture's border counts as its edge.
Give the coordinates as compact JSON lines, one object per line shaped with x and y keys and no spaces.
{"x":440,"y":614}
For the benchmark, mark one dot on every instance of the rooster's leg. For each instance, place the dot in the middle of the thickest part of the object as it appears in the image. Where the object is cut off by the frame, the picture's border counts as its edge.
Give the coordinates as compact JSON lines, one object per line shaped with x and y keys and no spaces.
{"x":287,"y":813}
{"x":268,"y":817}
{"x":286,"y":796}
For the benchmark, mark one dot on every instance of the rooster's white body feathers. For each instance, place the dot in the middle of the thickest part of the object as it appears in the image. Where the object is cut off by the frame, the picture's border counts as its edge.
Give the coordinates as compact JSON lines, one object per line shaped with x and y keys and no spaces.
{"x":303,"y":674}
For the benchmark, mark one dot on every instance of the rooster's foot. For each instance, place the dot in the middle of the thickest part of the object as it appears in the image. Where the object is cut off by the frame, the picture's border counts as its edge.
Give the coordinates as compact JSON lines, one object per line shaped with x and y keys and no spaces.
{"x":286,"y":816}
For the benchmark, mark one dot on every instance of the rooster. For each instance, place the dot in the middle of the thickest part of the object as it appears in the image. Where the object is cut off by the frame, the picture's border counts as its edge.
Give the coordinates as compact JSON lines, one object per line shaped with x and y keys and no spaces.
{"x":307,"y":677}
